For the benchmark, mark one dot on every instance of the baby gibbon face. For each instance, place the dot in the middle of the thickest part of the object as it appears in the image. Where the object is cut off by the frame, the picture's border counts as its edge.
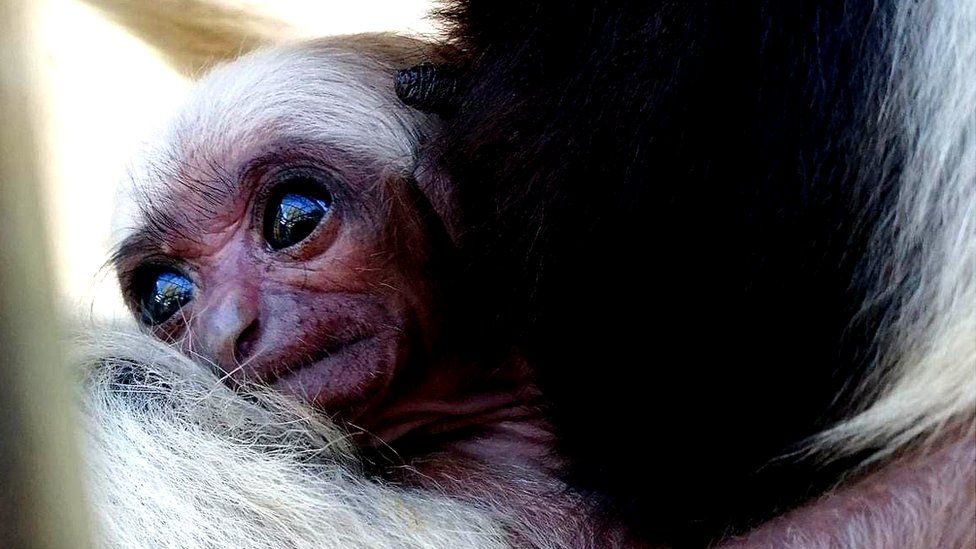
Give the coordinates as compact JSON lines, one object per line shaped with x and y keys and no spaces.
{"x":279,"y":233}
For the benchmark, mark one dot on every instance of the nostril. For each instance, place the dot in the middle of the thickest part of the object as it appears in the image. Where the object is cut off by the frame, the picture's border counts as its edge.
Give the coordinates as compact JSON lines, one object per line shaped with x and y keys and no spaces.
{"x":246,"y":341}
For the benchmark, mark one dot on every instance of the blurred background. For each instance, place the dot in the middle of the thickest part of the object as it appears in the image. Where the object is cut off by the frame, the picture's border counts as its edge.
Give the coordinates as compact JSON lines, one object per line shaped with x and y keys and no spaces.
{"x":104,"y":91}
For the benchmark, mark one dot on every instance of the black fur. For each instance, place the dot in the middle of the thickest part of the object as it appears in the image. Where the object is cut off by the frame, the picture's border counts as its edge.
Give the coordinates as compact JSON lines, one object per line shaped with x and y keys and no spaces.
{"x":670,"y":204}
{"x":427,"y":88}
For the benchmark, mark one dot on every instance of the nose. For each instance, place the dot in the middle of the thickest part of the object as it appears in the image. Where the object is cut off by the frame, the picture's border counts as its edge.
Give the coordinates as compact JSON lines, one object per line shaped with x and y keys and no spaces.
{"x":227,"y":329}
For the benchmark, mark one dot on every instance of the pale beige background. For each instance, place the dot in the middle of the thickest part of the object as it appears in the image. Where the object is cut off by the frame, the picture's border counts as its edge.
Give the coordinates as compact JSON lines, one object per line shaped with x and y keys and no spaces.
{"x":104,"y":92}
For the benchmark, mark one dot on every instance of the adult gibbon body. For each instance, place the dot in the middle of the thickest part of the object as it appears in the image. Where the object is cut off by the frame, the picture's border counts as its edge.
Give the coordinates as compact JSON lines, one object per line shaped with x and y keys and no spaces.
{"x":733,"y":238}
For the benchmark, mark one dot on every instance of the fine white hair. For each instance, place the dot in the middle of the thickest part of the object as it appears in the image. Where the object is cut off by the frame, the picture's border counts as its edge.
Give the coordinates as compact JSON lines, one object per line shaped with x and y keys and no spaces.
{"x":176,"y":459}
{"x":927,"y":246}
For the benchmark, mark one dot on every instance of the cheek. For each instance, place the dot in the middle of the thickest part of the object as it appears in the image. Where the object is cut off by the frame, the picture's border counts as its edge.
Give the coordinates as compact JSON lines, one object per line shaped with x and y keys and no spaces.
{"x":355,"y":288}
{"x":342,"y":326}
{"x":360,"y":266}
{"x":350,"y":380}
{"x":337,"y":351}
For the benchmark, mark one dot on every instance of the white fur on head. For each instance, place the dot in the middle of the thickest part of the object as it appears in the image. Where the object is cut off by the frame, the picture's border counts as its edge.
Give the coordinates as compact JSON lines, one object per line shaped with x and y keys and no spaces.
{"x":336,"y":90}
{"x":928,"y":247}
{"x":176,"y":459}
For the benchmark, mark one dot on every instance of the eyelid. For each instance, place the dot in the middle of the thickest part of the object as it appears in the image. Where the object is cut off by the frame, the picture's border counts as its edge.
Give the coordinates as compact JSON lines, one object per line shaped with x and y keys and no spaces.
{"x":274,"y":178}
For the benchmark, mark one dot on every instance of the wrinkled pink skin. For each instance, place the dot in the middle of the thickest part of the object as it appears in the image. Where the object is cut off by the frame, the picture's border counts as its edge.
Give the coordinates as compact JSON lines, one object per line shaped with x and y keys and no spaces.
{"x":926,"y":499}
{"x":350,"y":319}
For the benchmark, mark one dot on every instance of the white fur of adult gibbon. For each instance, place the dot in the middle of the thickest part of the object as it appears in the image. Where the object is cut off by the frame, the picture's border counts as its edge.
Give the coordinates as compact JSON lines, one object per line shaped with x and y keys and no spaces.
{"x":176,"y":459}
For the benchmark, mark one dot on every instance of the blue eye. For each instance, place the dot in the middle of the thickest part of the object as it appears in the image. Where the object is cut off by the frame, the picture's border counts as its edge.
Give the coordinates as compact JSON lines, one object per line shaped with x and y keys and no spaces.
{"x":291,"y":216}
{"x":164,"y":293}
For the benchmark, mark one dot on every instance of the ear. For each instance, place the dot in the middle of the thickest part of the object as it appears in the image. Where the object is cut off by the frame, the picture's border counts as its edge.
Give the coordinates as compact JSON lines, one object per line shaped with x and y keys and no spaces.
{"x":428,"y":88}
{"x":193,"y":35}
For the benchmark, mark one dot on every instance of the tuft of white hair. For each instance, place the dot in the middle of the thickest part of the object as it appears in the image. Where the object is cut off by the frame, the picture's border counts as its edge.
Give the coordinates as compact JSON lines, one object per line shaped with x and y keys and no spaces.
{"x":336,"y":90}
{"x":928,"y":246}
{"x":176,"y":459}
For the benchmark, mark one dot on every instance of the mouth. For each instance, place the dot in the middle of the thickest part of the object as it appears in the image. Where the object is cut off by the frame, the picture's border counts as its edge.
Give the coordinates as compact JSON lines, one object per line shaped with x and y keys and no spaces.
{"x":339,"y":376}
{"x":271,"y":373}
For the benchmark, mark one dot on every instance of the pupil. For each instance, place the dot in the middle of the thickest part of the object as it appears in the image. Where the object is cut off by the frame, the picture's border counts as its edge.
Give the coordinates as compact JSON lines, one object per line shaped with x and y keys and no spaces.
{"x":169,"y":291}
{"x":294,"y":217}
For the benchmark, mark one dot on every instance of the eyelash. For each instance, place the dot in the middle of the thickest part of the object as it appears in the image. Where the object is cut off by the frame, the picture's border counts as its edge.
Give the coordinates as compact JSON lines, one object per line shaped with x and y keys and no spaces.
{"x":272,"y":179}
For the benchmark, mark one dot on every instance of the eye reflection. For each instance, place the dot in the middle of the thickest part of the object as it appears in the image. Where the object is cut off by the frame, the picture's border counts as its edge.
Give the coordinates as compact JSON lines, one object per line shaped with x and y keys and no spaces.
{"x":292,"y":216}
{"x":166,"y":294}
